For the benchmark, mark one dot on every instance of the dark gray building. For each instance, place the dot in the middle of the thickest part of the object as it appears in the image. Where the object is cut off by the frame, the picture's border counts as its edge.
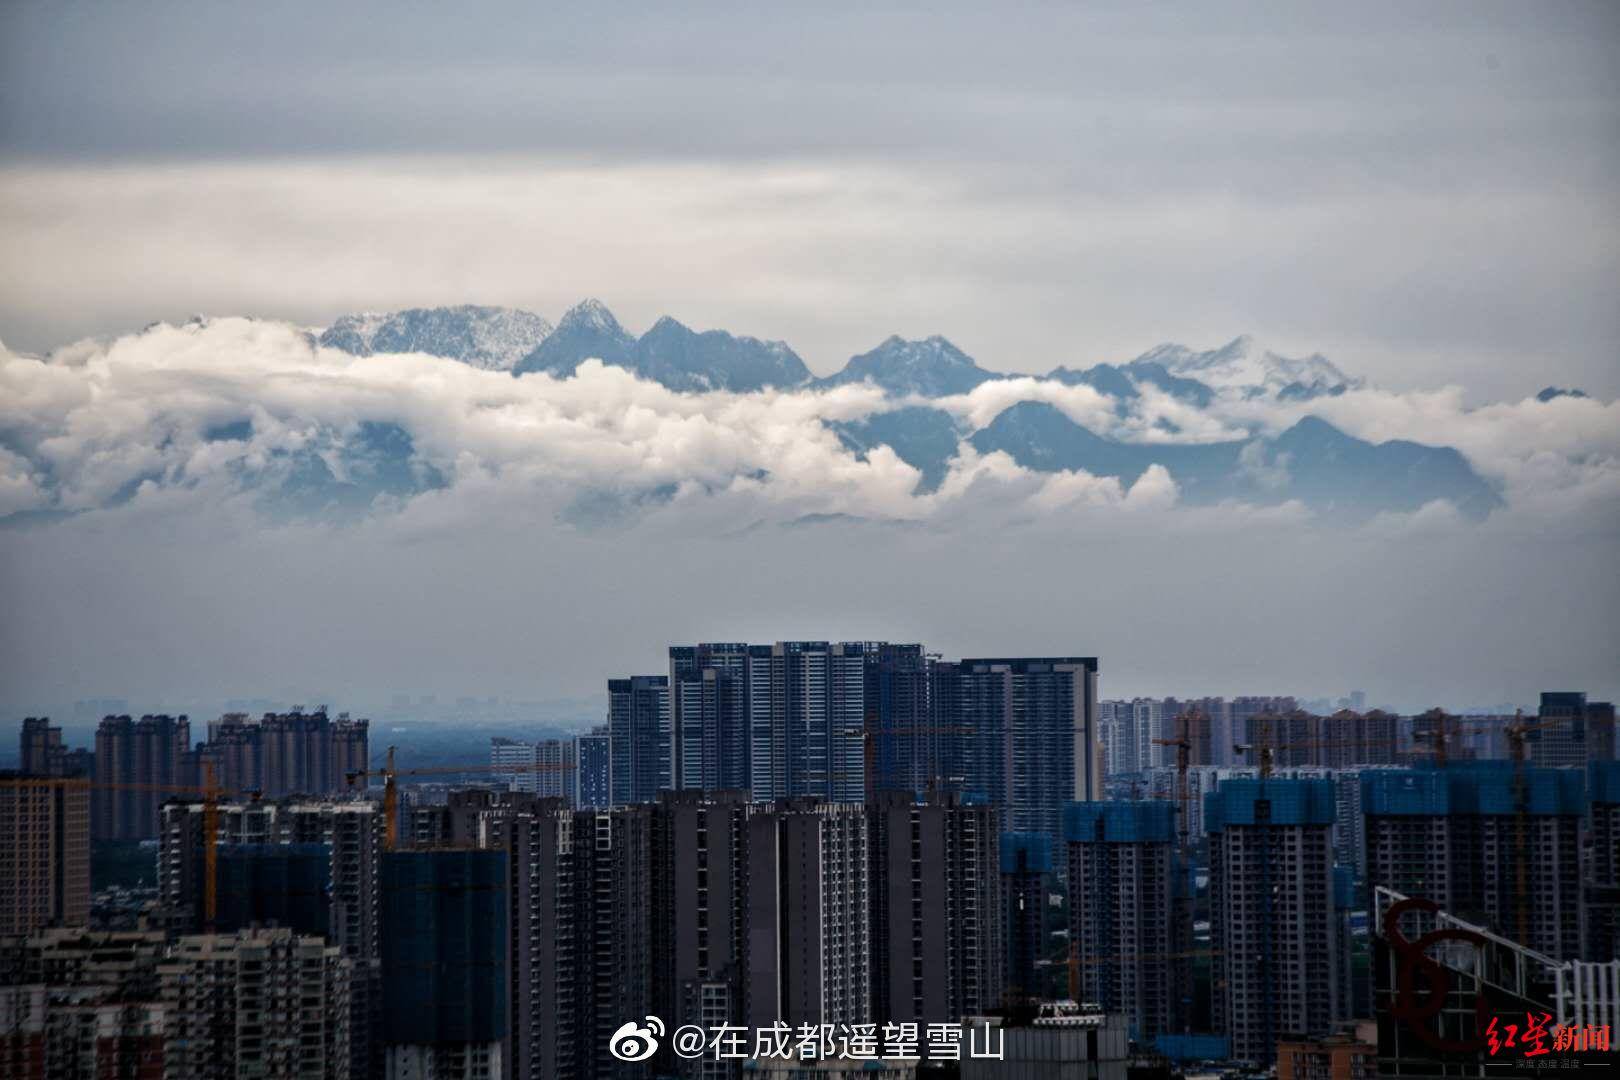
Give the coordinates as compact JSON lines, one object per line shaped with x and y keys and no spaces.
{"x":1028,"y":736}
{"x":639,"y":728}
{"x":1577,"y":731}
{"x":1602,"y":888}
{"x":937,"y":949}
{"x":147,"y":754}
{"x":1457,"y":836}
{"x":1026,"y":872}
{"x":699,"y":877}
{"x":581,"y":910}
{"x":1272,"y":915}
{"x":808,"y":912}
{"x":593,"y":776}
{"x":1125,"y":926}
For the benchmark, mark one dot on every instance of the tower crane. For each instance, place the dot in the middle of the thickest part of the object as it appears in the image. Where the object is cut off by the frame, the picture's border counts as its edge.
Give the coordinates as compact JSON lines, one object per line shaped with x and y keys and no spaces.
{"x":1516,"y":733}
{"x":390,"y":775}
{"x":211,"y":793}
{"x":1183,"y":744}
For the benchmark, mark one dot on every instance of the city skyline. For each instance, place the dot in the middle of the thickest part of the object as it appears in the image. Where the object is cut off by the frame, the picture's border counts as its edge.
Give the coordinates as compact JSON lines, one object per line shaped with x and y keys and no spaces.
{"x":822,"y":542}
{"x":1238,"y":349}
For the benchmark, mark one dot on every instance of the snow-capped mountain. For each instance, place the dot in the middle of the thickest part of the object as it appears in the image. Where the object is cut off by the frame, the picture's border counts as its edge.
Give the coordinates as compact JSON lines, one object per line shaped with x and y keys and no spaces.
{"x":1312,"y":462}
{"x":587,"y":330}
{"x":1243,"y":366}
{"x":494,"y":338}
{"x":932,"y":367}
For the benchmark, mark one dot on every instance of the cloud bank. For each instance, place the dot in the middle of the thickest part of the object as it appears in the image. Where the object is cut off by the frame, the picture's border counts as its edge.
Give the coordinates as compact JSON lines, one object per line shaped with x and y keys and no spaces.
{"x":255,"y":414}
{"x":225,"y":507}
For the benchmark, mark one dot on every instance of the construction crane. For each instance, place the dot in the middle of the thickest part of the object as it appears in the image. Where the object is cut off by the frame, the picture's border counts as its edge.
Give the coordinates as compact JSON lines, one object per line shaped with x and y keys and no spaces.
{"x":211,"y":794}
{"x":1267,"y":751}
{"x":390,"y":775}
{"x":1183,"y":744}
{"x":1440,"y":735}
{"x":1516,"y":732}
{"x":869,"y":750}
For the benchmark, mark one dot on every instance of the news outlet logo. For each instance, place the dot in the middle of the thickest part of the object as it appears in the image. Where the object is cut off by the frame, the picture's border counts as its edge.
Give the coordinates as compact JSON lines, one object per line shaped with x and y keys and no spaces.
{"x":636,"y":1042}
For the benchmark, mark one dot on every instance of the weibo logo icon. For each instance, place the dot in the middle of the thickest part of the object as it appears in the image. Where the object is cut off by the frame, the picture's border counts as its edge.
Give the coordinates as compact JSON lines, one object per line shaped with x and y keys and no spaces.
{"x":633,"y":1042}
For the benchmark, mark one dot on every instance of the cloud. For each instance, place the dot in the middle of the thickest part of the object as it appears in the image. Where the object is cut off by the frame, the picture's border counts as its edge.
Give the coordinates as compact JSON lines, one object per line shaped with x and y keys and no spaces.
{"x":235,"y":408}
{"x":182,"y":496}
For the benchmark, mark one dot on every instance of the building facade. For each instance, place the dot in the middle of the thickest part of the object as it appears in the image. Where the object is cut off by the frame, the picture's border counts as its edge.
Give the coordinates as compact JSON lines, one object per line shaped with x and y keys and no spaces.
{"x":1486,"y":842}
{"x":935,"y":881}
{"x":146,"y":756}
{"x":1272,"y":915}
{"x":1124,"y":922}
{"x":641,"y":738}
{"x":44,"y":852}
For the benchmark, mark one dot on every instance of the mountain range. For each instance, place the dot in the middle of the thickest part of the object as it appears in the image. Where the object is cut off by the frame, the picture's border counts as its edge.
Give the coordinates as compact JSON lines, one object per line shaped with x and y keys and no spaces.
{"x":1312,"y":462}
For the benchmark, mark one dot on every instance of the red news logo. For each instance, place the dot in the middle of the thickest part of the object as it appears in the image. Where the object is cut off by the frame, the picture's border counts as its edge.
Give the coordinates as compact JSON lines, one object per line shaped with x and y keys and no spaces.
{"x":1533,"y":1038}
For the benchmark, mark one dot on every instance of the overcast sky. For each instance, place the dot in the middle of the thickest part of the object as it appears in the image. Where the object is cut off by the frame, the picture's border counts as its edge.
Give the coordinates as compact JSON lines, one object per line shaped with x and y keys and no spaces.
{"x":1425,"y":193}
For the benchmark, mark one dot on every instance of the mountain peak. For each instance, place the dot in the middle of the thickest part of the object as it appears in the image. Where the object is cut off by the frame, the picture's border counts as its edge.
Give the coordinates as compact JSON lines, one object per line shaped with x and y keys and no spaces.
{"x":682,"y":359}
{"x":1243,"y":366}
{"x":587,"y":331}
{"x":929,"y":367}
{"x":492,"y":338}
{"x":593,"y":314}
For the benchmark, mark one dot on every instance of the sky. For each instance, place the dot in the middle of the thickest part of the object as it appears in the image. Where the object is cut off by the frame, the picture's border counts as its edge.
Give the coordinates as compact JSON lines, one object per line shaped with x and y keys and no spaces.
{"x":1425,"y":194}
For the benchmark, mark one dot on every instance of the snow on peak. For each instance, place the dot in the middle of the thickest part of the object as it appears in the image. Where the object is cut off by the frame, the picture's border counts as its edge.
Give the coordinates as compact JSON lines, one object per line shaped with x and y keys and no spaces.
{"x":1242,"y":365}
{"x":591,"y":313}
{"x":493,"y":338}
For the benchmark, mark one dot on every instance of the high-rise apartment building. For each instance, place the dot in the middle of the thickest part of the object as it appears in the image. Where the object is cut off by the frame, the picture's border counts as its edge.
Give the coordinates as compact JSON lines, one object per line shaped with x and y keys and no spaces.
{"x":593,"y":780}
{"x":44,"y":852}
{"x":809,"y":916}
{"x":802,"y":719}
{"x":293,"y":753}
{"x":1271,"y":912}
{"x":147,"y":755}
{"x":349,"y":833}
{"x":699,"y":874}
{"x":580,"y":905}
{"x":76,"y":1005}
{"x":40,"y":751}
{"x":710,"y":705}
{"x":817,"y":709}
{"x":1124,"y":922}
{"x":445,"y":924}
{"x":1602,"y":888}
{"x":1116,"y":731}
{"x":1572,"y":731}
{"x":1026,"y":871}
{"x":1247,"y":717}
{"x":936,"y":932}
{"x":1149,"y":722}
{"x":257,"y":1003}
{"x":548,"y":768}
{"x":911,"y":749}
{"x":1477,"y":837}
{"x":808,"y":719}
{"x":1030,"y":726}
{"x":505,"y":754}
{"x":641,"y":738}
